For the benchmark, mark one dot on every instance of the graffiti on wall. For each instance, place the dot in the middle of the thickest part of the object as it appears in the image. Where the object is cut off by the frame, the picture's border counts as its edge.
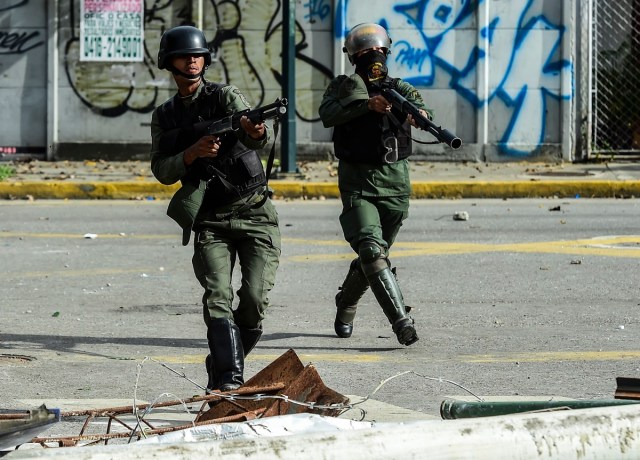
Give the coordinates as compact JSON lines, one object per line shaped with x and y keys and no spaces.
{"x":316,"y":10}
{"x":9,"y":5}
{"x":437,"y":44}
{"x":19,"y":42}
{"x":520,"y":48}
{"x":13,"y":42}
{"x":246,"y":51}
{"x":108,"y":89}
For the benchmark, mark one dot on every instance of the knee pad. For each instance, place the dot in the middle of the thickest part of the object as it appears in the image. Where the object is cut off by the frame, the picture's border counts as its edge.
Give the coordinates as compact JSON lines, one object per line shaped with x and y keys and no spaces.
{"x":372,"y":257}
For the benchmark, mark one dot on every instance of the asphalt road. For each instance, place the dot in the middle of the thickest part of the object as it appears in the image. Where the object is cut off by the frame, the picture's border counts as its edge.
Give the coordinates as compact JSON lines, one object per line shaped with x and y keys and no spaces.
{"x":528,"y":297}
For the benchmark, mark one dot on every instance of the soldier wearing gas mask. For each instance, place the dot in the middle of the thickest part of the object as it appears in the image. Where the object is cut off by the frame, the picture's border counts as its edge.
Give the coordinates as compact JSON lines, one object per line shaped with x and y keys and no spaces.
{"x":372,"y":142}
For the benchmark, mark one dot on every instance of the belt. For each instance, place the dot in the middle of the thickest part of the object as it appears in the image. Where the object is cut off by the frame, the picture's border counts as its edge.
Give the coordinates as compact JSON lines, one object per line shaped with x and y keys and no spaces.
{"x":235,"y":208}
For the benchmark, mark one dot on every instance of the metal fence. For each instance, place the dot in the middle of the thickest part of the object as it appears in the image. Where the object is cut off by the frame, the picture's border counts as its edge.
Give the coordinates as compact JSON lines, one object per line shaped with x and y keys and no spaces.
{"x":613,"y":74}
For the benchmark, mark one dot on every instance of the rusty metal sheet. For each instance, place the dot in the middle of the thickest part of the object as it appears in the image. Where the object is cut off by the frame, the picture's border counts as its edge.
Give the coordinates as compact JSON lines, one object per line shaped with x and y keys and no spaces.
{"x":298,"y":383}
{"x":627,"y":388}
{"x":284,"y":369}
{"x":308,"y":387}
{"x":285,"y":386}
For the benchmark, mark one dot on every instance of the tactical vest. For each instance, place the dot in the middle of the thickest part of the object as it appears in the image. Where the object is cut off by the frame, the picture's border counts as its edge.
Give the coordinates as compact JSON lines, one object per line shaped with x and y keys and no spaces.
{"x":232,"y":175}
{"x":360,"y":140}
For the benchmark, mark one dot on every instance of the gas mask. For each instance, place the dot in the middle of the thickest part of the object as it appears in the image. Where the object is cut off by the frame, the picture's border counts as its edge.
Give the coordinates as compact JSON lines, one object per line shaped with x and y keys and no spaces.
{"x":372,"y":65}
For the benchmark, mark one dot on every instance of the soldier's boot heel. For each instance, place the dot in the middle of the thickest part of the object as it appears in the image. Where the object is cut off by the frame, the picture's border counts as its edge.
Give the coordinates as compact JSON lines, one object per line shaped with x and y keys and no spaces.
{"x":349,"y":294}
{"x":343,"y":324}
{"x":405,"y":331}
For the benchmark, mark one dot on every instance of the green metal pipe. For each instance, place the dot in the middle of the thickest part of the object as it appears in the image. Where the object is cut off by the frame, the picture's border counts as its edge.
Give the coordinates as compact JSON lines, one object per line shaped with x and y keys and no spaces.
{"x":451,"y":409}
{"x":288,"y":140}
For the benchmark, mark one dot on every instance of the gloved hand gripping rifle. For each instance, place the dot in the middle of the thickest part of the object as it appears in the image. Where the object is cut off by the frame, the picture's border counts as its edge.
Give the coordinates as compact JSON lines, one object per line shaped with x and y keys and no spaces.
{"x":400,"y":103}
{"x":231,"y":122}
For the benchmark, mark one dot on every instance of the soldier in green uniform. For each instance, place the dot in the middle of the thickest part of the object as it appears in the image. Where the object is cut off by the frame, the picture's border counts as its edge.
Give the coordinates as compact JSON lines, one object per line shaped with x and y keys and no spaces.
{"x":224,"y":200}
{"x":372,"y":142}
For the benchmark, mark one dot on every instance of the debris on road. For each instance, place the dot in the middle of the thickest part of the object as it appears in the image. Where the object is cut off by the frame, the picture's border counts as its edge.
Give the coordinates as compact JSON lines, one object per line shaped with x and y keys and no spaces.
{"x":461,"y":215}
{"x":285,"y":386}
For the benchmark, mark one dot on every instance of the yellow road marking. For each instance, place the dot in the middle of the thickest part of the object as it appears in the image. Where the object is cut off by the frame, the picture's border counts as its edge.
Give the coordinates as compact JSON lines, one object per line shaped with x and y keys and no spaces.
{"x":308,"y":242}
{"x":74,"y":236}
{"x":627,"y":246}
{"x":599,"y":246}
{"x":533,"y":357}
{"x":143,"y":272}
{"x":539,"y":357}
{"x":306,"y":358}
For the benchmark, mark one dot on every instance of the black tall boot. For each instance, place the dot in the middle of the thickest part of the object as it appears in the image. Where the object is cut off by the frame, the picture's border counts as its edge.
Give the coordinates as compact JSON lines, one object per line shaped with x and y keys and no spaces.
{"x":385,"y":287}
{"x":347,"y":298}
{"x":227,"y":355}
{"x":249,"y":338}
{"x":213,"y":381}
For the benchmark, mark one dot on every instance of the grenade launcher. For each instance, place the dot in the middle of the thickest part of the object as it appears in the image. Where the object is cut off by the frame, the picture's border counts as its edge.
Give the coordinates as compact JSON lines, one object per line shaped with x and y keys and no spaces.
{"x":400,"y":103}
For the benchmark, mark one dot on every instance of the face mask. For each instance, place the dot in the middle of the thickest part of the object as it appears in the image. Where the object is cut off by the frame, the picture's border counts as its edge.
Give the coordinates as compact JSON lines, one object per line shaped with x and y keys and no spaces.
{"x":373,"y":65}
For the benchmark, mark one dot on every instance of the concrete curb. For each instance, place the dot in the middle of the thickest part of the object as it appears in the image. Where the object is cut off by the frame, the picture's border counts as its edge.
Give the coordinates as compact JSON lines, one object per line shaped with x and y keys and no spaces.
{"x":127,"y":190}
{"x":607,"y":432}
{"x":86,"y":190}
{"x":528,"y":189}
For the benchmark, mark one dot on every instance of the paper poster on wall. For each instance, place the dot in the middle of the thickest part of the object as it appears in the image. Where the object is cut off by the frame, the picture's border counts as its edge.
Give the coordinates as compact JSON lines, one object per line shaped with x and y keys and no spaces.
{"x":111,"y":30}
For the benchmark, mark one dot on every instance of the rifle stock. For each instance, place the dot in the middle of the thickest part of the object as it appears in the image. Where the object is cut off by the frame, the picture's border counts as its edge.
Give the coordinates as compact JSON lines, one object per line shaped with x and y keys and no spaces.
{"x":400,"y":103}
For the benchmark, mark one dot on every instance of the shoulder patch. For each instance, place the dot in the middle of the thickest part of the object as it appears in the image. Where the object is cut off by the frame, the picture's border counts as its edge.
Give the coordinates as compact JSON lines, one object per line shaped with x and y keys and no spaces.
{"x":240,"y":96}
{"x":415,"y":94}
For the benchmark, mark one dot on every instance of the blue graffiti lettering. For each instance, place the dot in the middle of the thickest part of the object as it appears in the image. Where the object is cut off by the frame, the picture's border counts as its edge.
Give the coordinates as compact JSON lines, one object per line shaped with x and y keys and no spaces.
{"x":442,"y":13}
{"x":317,"y":8}
{"x":520,"y":49}
{"x":487,"y":32}
{"x":412,"y":58}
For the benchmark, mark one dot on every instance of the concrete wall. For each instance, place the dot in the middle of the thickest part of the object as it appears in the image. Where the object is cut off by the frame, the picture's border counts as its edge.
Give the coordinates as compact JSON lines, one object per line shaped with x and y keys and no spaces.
{"x":23,"y":76}
{"x":499,"y":73}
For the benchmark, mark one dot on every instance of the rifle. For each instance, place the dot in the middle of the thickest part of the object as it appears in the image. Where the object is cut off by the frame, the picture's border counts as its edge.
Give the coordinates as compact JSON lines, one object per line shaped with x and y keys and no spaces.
{"x":232,"y":122}
{"x":400,"y":103}
{"x":180,"y":138}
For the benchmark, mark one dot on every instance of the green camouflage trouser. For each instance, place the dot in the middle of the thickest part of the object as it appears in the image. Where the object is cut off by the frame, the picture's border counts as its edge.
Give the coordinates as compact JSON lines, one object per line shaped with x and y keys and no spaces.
{"x":253,"y":239}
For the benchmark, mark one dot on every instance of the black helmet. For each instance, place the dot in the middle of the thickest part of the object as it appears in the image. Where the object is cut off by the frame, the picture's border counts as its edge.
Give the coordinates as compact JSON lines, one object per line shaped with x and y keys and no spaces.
{"x":182,"y":40}
{"x":365,"y":36}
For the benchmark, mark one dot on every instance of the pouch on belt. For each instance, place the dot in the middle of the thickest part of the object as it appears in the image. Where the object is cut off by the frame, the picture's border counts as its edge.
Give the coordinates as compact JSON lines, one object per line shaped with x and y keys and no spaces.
{"x":184,"y":206}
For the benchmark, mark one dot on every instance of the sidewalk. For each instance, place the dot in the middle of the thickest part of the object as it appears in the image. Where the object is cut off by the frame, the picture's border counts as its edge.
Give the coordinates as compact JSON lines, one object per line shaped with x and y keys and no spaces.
{"x":318,"y":180}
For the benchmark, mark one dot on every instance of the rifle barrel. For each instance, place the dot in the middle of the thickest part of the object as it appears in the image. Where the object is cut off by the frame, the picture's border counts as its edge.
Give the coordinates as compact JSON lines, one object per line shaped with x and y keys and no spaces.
{"x":401,"y":103}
